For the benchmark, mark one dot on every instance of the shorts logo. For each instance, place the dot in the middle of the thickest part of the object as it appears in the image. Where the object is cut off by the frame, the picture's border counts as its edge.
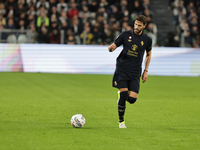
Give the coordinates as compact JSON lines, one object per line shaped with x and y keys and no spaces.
{"x":129,"y":38}
{"x":115,"y":83}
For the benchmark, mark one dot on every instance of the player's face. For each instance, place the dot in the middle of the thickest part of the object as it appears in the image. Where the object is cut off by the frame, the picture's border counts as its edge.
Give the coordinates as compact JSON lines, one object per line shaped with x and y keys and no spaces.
{"x":138,"y":27}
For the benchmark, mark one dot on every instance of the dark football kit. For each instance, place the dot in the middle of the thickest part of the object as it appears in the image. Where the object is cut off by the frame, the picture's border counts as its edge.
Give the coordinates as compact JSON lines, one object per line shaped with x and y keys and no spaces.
{"x":129,"y":62}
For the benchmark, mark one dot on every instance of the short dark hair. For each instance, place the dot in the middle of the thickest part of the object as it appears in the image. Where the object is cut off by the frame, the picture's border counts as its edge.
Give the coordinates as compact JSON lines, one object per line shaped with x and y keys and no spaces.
{"x":141,"y":18}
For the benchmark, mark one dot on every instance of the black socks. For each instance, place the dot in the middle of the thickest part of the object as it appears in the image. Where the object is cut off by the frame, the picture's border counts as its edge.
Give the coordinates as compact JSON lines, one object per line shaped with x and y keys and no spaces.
{"x":122,"y":105}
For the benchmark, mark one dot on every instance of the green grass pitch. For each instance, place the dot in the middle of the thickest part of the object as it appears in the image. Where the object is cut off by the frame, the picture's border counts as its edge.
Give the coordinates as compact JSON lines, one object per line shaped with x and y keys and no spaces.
{"x":36,"y":108}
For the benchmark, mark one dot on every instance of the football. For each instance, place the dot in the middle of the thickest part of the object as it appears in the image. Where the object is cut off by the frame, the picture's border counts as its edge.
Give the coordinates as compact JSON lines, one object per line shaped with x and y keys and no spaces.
{"x":78,"y":121}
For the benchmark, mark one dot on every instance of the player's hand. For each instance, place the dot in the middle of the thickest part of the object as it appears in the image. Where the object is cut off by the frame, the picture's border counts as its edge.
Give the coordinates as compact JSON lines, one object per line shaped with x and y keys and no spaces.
{"x":144,"y":76}
{"x":112,"y":47}
{"x":110,"y":50}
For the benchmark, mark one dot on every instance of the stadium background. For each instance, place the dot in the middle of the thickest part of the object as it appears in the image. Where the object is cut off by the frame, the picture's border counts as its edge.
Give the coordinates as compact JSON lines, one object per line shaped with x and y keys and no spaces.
{"x":171,"y":24}
{"x":53,"y":66}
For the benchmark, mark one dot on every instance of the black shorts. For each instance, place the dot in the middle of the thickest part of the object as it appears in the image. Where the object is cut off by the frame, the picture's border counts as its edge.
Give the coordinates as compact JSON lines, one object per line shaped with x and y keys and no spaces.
{"x":122,"y":80}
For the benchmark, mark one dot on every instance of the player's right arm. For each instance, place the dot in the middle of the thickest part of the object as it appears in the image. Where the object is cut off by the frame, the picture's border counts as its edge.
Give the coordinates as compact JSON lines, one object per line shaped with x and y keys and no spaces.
{"x":118,"y":41}
{"x":112,"y":47}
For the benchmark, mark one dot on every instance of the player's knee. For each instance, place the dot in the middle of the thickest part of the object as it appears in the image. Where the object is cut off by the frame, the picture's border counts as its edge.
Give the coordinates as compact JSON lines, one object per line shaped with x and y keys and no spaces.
{"x":131,"y":100}
{"x":123,"y":97}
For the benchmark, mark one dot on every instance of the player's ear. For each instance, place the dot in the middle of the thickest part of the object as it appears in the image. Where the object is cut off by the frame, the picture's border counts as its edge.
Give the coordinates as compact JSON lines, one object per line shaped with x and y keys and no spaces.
{"x":145,"y":25}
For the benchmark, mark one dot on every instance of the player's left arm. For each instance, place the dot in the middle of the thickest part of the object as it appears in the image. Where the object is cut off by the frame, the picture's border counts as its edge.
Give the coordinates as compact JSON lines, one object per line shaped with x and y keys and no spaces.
{"x":147,"y":62}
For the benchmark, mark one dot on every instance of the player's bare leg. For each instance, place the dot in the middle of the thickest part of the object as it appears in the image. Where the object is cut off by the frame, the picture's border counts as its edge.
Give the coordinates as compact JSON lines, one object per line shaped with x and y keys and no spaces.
{"x":132,"y":97}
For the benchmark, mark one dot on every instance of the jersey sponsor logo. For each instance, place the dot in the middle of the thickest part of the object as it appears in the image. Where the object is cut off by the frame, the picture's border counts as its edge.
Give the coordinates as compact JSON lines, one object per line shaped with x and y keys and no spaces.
{"x":142,"y":43}
{"x":133,"y":51}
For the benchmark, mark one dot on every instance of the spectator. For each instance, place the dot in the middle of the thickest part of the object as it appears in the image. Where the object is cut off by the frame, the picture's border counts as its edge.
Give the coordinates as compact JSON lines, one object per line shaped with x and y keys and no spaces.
{"x":21,"y":25}
{"x":52,"y":3}
{"x":9,"y":4}
{"x":23,"y":16}
{"x":55,"y":37}
{"x":197,"y":42}
{"x":190,"y":6}
{"x":83,"y":3}
{"x":146,"y":4}
{"x":3,"y":35}
{"x":31,"y":2}
{"x":188,"y":40}
{"x":53,"y":19}
{"x":64,"y":26}
{"x":32,"y":34}
{"x":104,"y":4}
{"x":53,"y":11}
{"x":43,"y":3}
{"x":192,"y":15}
{"x":96,"y":36}
{"x":72,"y":11}
{"x":31,"y":10}
{"x":137,"y":8}
{"x":84,"y":14}
{"x":147,"y":13}
{"x":2,"y":20}
{"x":63,"y":17}
{"x":19,"y":10}
{"x":100,"y":22}
{"x":23,"y":2}
{"x":102,"y":12}
{"x":42,"y":9}
{"x":62,"y":6}
{"x":10,"y":24}
{"x":10,"y":11}
{"x":53,"y":26}
{"x":115,"y":29}
{"x":194,"y":31}
{"x":43,"y":36}
{"x":128,"y":28}
{"x":107,"y":37}
{"x":86,"y":36}
{"x":172,"y":40}
{"x":124,"y":26}
{"x":68,"y":33}
{"x":125,"y":19}
{"x":116,"y":13}
{"x":193,"y":22}
{"x":152,"y":32}
{"x":178,"y":7}
{"x":31,"y":19}
{"x":2,"y":9}
{"x":70,"y":3}
{"x":93,"y":6}
{"x":42,"y":19}
{"x":184,"y":30}
{"x":76,"y":27}
{"x":70,"y":40}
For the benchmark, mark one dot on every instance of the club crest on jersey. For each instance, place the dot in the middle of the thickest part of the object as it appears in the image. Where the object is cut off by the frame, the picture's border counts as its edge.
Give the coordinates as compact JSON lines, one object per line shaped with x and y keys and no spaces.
{"x":130,"y":38}
{"x":142,"y":43}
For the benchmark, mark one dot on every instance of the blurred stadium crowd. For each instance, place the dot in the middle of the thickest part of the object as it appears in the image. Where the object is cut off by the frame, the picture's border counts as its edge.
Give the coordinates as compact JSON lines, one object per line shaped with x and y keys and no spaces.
{"x":83,"y":21}
{"x":90,"y":21}
{"x":186,"y":14}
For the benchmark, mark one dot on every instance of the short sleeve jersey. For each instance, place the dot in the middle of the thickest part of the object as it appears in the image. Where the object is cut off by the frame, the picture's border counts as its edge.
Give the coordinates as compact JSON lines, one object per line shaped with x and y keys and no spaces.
{"x":130,"y":59}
